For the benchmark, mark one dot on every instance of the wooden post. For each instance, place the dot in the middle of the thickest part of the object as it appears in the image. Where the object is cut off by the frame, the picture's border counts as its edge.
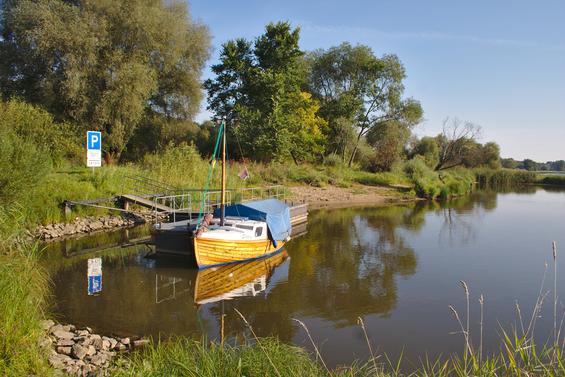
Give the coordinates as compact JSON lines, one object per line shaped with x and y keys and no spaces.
{"x":67,"y":208}
{"x":223,"y":195}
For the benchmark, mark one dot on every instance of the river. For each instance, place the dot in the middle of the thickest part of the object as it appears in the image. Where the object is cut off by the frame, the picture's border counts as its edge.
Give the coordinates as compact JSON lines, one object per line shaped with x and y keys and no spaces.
{"x":397,"y":267}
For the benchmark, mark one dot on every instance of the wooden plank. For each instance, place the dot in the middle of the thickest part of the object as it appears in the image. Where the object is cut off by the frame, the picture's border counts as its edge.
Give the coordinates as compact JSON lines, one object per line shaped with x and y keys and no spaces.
{"x":146,"y":203}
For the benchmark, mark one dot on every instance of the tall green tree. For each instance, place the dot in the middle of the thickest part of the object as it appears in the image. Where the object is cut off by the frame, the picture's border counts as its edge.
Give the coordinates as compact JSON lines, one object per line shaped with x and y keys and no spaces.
{"x":258,"y":89}
{"x":104,"y":64}
{"x":352,"y":83}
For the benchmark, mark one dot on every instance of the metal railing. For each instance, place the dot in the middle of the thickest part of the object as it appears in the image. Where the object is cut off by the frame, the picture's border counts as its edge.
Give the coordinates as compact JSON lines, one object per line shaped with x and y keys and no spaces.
{"x":189,"y":201}
{"x":145,"y":186}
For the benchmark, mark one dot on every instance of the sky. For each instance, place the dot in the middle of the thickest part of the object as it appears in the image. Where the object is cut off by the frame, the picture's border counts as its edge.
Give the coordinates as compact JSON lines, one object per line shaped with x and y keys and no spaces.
{"x":498,"y":64}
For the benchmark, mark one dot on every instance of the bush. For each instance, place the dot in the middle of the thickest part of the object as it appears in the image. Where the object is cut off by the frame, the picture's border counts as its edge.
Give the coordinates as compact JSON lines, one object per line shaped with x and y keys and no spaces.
{"x":58,"y":141}
{"x":22,"y":166}
{"x":333,"y":160}
{"x":430,"y":184}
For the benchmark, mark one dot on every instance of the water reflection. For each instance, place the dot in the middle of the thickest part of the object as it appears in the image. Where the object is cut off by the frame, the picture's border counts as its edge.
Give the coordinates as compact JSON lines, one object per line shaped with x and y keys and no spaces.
{"x":398,"y":267}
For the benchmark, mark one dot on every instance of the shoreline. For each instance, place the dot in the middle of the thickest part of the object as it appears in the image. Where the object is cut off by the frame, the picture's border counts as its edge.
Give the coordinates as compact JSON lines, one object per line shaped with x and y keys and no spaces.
{"x":316,"y":198}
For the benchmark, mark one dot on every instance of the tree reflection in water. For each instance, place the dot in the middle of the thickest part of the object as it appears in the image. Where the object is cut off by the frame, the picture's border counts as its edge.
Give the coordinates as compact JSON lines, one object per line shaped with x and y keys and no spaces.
{"x":346,"y":266}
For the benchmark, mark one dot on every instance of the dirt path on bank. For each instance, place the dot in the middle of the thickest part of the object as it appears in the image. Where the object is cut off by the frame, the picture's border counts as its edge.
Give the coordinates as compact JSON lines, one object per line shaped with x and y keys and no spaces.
{"x":333,"y":196}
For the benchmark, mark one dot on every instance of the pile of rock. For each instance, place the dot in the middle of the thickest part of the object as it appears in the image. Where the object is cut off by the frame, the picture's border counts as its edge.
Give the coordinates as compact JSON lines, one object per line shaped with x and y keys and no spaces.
{"x":86,"y":225}
{"x":79,"y":351}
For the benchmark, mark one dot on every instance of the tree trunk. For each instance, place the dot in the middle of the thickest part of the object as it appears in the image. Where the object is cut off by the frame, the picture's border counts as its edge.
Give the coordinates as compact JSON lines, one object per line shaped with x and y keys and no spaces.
{"x":356,"y":147}
{"x":111,"y":158}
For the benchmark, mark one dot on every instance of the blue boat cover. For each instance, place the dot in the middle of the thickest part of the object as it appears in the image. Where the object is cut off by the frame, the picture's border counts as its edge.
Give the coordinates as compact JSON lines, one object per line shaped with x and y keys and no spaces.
{"x":274,"y":212}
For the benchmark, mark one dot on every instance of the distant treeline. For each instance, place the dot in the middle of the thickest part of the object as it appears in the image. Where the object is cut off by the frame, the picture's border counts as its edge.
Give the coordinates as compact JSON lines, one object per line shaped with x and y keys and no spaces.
{"x":532,"y":165}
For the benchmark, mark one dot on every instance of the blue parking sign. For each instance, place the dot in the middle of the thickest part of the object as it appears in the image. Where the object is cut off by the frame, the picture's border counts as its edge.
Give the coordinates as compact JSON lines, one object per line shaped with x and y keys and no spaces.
{"x":94,"y":284}
{"x":94,"y":140}
{"x":94,"y":276}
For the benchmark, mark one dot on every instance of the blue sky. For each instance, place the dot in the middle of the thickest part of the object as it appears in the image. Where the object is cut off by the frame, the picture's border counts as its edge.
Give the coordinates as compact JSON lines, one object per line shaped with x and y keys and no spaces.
{"x":499,"y":64}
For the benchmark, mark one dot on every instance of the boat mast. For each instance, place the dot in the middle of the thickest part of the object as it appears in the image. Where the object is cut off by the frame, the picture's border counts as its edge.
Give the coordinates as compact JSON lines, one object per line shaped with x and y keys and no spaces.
{"x":223,"y":194}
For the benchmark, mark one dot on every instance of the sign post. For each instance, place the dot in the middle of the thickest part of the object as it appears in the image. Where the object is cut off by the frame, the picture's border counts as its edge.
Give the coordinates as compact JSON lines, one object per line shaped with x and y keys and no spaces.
{"x":93,"y":149}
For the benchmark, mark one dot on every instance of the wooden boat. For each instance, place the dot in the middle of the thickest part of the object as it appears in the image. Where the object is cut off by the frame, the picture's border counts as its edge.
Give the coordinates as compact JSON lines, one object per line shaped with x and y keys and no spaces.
{"x":245,"y":231}
{"x":236,"y":280}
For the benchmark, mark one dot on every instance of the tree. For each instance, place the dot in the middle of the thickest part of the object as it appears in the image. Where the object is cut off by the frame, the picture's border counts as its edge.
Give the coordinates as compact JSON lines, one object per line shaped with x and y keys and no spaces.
{"x":104,"y":64}
{"x":388,"y":141}
{"x":352,"y":83}
{"x":530,"y":165}
{"x":455,"y":142}
{"x":509,"y":163}
{"x":558,"y":165}
{"x":428,"y":148}
{"x":257,"y":89}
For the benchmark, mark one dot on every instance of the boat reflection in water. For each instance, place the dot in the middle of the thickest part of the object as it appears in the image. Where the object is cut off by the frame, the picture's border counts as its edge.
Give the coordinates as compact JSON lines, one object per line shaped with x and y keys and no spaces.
{"x":236,"y":280}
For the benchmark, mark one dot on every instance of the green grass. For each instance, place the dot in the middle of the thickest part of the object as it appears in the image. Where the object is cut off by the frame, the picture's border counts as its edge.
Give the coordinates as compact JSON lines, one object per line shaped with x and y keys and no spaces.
{"x":184,"y":357}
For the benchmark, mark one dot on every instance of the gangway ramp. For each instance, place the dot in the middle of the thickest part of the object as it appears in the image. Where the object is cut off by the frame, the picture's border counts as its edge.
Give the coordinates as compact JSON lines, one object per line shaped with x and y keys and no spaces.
{"x":145,"y":202}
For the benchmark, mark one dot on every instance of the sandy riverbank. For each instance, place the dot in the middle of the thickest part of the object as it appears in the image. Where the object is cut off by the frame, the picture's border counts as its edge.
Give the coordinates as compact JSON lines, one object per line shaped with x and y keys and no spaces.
{"x":333,"y":196}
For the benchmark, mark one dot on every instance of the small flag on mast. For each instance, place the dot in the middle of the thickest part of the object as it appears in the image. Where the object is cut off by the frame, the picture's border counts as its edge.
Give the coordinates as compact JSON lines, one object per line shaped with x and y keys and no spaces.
{"x":244,"y":174}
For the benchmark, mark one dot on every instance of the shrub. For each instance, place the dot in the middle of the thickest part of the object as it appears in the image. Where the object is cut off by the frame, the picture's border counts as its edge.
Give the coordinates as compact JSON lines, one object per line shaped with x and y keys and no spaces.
{"x":22,"y":166}
{"x":58,"y":141}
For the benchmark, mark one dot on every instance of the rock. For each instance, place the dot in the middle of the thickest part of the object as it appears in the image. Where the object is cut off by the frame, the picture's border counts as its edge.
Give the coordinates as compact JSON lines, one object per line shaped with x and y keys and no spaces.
{"x":91,"y":350}
{"x":96,"y":225}
{"x":45,"y":342}
{"x":140,"y":342}
{"x":82,"y":332}
{"x":113,"y":342}
{"x":125,"y":341}
{"x":120,"y":347}
{"x":95,"y":336}
{"x":47,"y":324}
{"x":55,"y":328}
{"x":61,"y":334}
{"x":110,"y":354}
{"x":86,"y":342}
{"x":65,"y":342}
{"x":66,"y":350}
{"x":106,"y":344}
{"x":88,"y":329}
{"x":97,"y":343}
{"x":79,"y":351}
{"x":71,"y":369}
{"x":58,"y":361}
{"x":99,"y":359}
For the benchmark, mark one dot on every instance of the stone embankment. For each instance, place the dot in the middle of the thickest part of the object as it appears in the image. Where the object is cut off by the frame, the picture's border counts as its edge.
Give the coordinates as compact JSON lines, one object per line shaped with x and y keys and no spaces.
{"x":80,"y":352}
{"x":90,"y":224}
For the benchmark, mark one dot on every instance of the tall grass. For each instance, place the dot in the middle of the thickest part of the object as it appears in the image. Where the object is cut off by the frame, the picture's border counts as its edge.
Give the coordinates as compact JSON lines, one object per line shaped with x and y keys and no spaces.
{"x":23,"y":290}
{"x":557,"y":180}
{"x":504,"y":178}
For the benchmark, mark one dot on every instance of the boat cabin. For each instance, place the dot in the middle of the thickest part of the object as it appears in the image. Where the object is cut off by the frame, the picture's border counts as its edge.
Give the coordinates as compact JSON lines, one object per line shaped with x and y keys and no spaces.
{"x":237,"y":228}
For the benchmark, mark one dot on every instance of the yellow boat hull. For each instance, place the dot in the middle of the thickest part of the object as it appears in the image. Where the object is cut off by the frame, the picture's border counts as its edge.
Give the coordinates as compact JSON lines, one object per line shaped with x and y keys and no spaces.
{"x":211,"y":252}
{"x":215,"y":282}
